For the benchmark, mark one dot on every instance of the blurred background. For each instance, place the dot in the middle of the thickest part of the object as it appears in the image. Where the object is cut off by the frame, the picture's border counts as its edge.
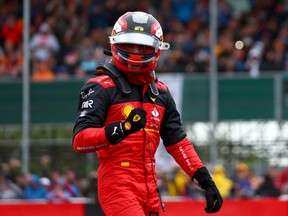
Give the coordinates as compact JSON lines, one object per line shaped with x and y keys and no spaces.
{"x":239,"y":125}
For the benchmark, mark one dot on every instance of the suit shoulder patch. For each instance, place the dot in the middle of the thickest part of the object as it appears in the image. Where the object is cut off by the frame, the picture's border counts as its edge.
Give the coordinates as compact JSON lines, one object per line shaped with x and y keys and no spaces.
{"x":104,"y":80}
{"x":161,"y":85}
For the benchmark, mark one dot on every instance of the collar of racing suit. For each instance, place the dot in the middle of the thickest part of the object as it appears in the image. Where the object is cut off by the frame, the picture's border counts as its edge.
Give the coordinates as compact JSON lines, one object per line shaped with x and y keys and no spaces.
{"x":122,"y":82}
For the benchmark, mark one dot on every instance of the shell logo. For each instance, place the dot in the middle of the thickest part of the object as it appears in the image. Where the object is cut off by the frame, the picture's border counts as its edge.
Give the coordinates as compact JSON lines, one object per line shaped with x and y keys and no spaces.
{"x":127,"y":109}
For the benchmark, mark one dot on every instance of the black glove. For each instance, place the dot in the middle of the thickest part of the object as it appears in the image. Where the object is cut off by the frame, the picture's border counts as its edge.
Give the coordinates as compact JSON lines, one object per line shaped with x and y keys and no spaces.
{"x":214,"y":200}
{"x":117,"y":131}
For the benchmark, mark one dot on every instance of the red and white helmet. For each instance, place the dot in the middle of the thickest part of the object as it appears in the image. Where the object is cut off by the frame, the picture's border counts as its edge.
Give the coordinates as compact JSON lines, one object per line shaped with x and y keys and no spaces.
{"x":142,"y":29}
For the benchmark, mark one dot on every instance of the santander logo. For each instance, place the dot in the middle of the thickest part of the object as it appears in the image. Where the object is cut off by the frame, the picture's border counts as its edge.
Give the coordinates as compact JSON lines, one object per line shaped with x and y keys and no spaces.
{"x":155,"y":112}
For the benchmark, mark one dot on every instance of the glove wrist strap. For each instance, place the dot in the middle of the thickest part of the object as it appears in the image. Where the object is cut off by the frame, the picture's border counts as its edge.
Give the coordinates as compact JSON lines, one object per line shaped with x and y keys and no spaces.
{"x":115,"y":132}
{"x":203,"y":177}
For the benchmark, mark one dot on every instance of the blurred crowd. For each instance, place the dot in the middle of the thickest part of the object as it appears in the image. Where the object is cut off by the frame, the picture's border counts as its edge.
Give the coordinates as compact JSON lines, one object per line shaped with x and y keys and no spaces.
{"x":56,"y":185}
{"x":241,"y":184}
{"x":48,"y":184}
{"x":67,"y":37}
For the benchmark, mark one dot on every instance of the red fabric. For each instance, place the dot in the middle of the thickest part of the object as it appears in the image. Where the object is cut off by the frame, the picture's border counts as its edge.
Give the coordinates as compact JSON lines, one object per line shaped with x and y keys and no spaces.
{"x":90,"y":140}
{"x":185,"y":155}
{"x":138,"y":79}
{"x":238,"y":207}
{"x":127,"y":176}
{"x":105,"y":81}
{"x":12,"y":33}
{"x":283,"y":177}
{"x":127,"y":183}
{"x":242,"y":207}
{"x":127,"y":187}
{"x":36,"y":208}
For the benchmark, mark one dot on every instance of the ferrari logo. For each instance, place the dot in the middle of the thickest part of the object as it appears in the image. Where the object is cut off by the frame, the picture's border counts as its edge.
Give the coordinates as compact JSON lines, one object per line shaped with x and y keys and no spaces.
{"x":136,"y":118}
{"x":139,"y":28}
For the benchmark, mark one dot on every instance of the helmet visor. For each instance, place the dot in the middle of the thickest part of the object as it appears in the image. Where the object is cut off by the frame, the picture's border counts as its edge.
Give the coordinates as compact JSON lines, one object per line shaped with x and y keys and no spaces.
{"x":139,"y":38}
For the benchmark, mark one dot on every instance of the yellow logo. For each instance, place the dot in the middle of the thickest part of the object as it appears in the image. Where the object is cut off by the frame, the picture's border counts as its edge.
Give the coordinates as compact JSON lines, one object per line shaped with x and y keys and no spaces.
{"x":139,"y":28}
{"x":136,"y":118}
{"x":127,"y":109}
{"x":125,"y":163}
{"x":153,"y":99}
{"x":127,"y":126}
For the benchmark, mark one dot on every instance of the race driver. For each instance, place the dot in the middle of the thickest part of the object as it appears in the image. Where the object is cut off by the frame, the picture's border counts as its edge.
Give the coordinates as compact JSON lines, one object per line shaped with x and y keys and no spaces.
{"x":123,"y":112}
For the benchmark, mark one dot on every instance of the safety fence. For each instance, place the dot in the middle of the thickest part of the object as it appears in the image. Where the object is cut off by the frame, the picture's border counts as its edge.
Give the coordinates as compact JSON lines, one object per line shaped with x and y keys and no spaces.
{"x":255,"y":101}
{"x":245,"y":98}
{"x":261,"y":207}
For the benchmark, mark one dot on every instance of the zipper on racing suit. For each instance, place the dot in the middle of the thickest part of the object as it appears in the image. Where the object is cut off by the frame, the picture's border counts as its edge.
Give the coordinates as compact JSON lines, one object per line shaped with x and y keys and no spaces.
{"x":152,"y":164}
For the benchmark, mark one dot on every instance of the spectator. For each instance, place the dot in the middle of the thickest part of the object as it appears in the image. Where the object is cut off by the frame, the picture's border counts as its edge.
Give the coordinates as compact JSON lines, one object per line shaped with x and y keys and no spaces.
{"x":11,"y":34}
{"x":267,"y":188}
{"x":88,"y":61}
{"x":12,"y":169}
{"x":34,"y":188}
{"x":8,"y":189}
{"x":180,"y":182}
{"x":71,"y":182}
{"x":3,"y":62}
{"x":194,"y":192}
{"x":91,"y":189}
{"x":242,"y":184}
{"x":21,"y":180}
{"x":42,"y":70}
{"x":59,"y":192}
{"x":54,"y":177}
{"x":44,"y":43}
{"x":11,"y":30}
{"x":183,"y":9}
{"x":162,"y":183}
{"x":283,"y":181}
{"x":63,"y":72}
{"x":45,"y":182}
{"x":255,"y":58}
{"x":11,"y":62}
{"x":223,"y":183}
{"x":45,"y":165}
{"x":185,"y":23}
{"x":175,"y":182}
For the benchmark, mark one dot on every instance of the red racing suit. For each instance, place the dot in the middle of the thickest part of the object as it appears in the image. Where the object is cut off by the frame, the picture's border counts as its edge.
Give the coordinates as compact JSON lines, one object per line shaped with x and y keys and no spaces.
{"x":126,"y":175}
